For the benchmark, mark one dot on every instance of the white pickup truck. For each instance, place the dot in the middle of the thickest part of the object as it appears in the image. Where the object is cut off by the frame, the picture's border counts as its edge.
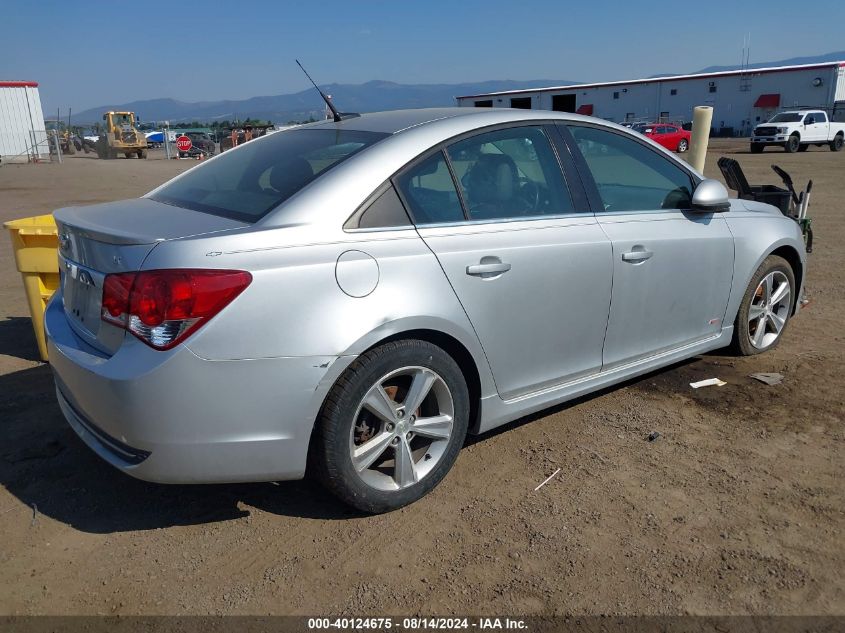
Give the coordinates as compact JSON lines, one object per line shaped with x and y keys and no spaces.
{"x":796,"y":130}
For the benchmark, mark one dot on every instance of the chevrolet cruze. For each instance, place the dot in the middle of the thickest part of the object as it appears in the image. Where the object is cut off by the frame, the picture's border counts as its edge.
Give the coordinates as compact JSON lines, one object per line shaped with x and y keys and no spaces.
{"x":350,"y":298}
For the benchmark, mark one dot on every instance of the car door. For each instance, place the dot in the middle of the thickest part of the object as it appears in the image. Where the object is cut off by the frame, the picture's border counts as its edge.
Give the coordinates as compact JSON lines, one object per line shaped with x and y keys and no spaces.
{"x":664,"y":136}
{"x":673,"y":137}
{"x":526,"y":258}
{"x":672,"y":270}
{"x":820,"y":126}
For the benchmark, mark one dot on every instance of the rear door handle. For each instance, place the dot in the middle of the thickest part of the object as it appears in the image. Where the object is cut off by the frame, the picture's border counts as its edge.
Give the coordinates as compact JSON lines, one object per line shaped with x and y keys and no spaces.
{"x":492,"y":268}
{"x":636,"y":256}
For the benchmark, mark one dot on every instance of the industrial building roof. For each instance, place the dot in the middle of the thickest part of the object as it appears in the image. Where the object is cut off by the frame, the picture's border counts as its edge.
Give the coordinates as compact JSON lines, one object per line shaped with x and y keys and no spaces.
{"x":628,"y":82}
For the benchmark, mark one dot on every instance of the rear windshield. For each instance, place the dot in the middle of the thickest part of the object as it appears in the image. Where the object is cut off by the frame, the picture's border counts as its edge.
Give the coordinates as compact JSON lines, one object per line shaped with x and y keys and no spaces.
{"x":248,"y":182}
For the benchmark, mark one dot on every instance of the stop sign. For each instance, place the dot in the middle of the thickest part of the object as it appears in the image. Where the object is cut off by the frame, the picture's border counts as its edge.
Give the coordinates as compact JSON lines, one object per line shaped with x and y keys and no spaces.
{"x":183,"y":143}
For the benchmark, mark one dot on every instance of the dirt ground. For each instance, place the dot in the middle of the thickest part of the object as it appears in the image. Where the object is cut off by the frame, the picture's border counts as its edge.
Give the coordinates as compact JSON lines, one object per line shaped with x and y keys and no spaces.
{"x":737,"y":508}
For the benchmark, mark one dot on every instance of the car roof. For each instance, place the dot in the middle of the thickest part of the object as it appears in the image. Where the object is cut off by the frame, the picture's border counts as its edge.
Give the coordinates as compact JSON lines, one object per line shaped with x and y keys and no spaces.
{"x":395,"y":121}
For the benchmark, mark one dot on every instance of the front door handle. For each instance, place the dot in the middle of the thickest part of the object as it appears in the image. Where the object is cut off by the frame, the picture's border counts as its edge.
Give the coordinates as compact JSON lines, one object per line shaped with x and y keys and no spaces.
{"x":636,"y":256}
{"x":488,"y":268}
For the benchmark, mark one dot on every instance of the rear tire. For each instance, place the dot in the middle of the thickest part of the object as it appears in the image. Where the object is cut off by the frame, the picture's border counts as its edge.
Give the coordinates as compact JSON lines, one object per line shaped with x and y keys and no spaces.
{"x":683,"y":145}
{"x":791,"y":146}
{"x":757,"y":148}
{"x":765,"y":305}
{"x":374,"y":480}
{"x":837,"y":143}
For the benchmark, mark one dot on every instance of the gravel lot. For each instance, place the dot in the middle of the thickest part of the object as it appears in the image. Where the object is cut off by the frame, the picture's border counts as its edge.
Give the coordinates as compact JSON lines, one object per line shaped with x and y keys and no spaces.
{"x":738,"y":507}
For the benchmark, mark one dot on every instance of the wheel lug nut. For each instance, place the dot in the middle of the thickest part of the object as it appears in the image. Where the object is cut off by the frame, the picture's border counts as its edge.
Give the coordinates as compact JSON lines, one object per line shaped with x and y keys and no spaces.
{"x":413,"y":419}
{"x":400,"y":413}
{"x":395,"y":441}
{"x":409,"y":435}
{"x":390,"y":427}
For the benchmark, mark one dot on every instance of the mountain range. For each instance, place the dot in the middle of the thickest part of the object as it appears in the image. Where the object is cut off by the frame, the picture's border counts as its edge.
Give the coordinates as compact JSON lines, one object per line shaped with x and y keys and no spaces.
{"x":371,"y":96}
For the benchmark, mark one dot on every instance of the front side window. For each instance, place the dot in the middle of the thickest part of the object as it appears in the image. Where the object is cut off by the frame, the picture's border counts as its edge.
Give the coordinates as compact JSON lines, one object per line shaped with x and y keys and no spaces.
{"x":248,"y":182}
{"x":630,"y":176}
{"x":509,"y":174}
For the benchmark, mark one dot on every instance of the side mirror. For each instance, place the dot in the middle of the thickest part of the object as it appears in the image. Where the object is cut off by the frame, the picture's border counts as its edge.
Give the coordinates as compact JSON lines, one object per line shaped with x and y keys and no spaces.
{"x":710,"y":196}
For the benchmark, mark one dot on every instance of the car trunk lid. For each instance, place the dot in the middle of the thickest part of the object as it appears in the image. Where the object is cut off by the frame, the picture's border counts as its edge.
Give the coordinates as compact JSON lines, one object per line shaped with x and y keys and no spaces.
{"x":116,"y":237}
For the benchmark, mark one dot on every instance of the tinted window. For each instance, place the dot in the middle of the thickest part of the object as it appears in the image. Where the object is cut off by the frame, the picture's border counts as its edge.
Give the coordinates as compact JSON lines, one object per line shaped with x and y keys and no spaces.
{"x":384,"y":212}
{"x":820,"y":117}
{"x":248,"y":182}
{"x":630,"y":176}
{"x":510,"y":173}
{"x":430,"y":191}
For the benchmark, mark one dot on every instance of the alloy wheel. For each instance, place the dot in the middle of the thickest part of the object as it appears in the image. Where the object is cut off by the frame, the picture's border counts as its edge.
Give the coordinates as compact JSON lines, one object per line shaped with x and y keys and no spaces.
{"x":402,"y":428}
{"x":769,"y":309}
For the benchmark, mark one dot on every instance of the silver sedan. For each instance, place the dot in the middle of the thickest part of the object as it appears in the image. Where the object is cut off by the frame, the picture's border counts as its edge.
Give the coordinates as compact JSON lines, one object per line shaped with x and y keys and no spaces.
{"x":350,"y":299}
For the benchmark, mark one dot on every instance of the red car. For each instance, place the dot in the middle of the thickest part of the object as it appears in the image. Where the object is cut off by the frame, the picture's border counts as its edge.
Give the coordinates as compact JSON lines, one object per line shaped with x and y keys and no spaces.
{"x":670,"y":136}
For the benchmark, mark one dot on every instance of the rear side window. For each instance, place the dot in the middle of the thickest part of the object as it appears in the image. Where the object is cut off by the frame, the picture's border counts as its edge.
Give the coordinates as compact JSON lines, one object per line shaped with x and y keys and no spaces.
{"x":510,"y":174}
{"x":630,"y":176}
{"x":430,"y":192}
{"x":248,"y":182}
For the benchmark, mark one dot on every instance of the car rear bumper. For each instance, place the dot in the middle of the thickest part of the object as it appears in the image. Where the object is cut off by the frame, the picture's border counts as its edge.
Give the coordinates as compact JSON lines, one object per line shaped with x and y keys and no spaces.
{"x":173,"y":417}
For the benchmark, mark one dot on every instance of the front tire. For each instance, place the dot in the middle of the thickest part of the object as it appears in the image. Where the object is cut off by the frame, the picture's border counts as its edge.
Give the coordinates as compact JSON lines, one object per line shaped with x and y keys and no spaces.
{"x":391,"y":427}
{"x":837,"y":143}
{"x":792,"y":144}
{"x":766,"y":307}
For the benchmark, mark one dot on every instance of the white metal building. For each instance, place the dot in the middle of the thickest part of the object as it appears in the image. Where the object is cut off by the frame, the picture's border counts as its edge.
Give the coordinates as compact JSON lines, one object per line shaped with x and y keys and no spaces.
{"x":740,"y":99}
{"x":22,"y":134}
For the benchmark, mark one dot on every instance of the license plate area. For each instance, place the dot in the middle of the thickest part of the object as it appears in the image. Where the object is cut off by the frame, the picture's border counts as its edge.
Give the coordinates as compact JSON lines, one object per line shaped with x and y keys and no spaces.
{"x":82,"y":293}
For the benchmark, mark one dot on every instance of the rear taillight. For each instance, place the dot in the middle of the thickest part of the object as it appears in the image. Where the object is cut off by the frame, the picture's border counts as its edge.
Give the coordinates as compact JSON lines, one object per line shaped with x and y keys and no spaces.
{"x":163,"y":307}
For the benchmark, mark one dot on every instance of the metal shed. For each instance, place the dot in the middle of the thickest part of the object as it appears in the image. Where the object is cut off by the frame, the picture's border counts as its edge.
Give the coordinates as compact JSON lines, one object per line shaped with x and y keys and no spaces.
{"x":22,"y":134}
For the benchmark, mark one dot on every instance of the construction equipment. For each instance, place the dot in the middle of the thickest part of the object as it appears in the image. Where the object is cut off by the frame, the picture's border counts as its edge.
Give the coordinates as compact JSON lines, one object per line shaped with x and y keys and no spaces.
{"x":121,"y":137}
{"x":68,"y":141}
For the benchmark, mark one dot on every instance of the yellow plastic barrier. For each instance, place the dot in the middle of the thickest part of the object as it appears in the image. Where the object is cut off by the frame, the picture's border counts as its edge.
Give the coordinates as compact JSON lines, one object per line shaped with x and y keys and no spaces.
{"x":35,"y":242}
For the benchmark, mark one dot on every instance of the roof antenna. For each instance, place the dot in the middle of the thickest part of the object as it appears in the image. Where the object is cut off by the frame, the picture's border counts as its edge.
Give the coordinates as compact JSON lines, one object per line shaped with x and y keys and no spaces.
{"x":338,"y":117}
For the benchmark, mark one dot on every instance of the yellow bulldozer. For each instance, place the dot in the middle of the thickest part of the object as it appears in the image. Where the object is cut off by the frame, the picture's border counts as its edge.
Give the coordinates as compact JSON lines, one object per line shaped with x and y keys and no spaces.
{"x":120,"y":136}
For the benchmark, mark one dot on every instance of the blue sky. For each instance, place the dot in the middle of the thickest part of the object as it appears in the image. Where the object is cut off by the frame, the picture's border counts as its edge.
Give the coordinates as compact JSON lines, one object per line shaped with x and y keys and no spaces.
{"x":86,"y":54}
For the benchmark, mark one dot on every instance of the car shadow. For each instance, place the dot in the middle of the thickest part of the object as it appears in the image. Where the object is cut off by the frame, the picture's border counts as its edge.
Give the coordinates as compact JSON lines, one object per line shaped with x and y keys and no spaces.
{"x":675,"y":373}
{"x":17,"y":338}
{"x":52,"y":473}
